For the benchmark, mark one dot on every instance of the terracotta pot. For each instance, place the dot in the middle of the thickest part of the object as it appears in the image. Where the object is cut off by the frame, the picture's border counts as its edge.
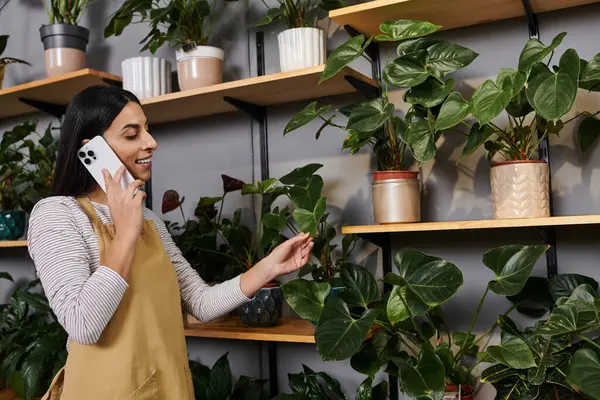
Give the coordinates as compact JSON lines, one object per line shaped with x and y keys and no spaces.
{"x":2,"y":70}
{"x":520,"y":189}
{"x":396,"y":197}
{"x":458,"y":392}
{"x":64,"y":48}
{"x":199,"y":67}
{"x":301,"y":48}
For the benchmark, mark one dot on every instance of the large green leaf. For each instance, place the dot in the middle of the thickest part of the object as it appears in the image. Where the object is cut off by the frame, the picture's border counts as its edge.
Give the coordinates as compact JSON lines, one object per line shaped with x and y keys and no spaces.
{"x":308,"y":221}
{"x":489,"y":100}
{"x":366,"y":361}
{"x":219,"y":386}
{"x":589,"y":78}
{"x":271,"y":15}
{"x":395,"y":31}
{"x":361,"y":286}
{"x":407,"y":71}
{"x":512,"y":352}
{"x":397,"y":309}
{"x":575,"y":314}
{"x":515,"y":388}
{"x":445,"y":58}
{"x":563,"y":285}
{"x":380,"y":391}
{"x":535,"y":51}
{"x":338,"y":334}
{"x":534,"y":300}
{"x":537,"y":375}
{"x":306,"y":298}
{"x":512,"y":265}
{"x":498,"y":372}
{"x":429,"y":93}
{"x":588,"y":133}
{"x":344,"y":55}
{"x":364,"y":391}
{"x":418,"y":136}
{"x":555,"y":94}
{"x":370,"y":115}
{"x":519,"y":105}
{"x":516,"y":78}
{"x":415,"y":45}
{"x":427,"y":376}
{"x":247,"y":388}
{"x":584,"y":371}
{"x":308,"y":114}
{"x":454,"y":109}
{"x":478,"y":135}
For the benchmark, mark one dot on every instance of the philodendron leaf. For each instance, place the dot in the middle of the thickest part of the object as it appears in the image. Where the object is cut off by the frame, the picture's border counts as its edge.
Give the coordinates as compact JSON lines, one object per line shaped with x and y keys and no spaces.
{"x":490,"y":99}
{"x":394,"y":31}
{"x":397,"y":309}
{"x":415,"y":45}
{"x":220,"y":384}
{"x":516,"y":78}
{"x":454,"y":109}
{"x":588,"y":133}
{"x":429,"y":93}
{"x":589,"y":77}
{"x":478,"y":135}
{"x":554,"y":95}
{"x":537,"y":375}
{"x":308,"y":221}
{"x":338,"y":334}
{"x":306,"y":298}
{"x":534,"y":300}
{"x":370,"y":115}
{"x":407,"y":71}
{"x":516,"y":388}
{"x":445,"y":58}
{"x":366,"y":360}
{"x":344,"y":55}
{"x":498,"y":372}
{"x":575,"y":314}
{"x":584,"y":371}
{"x":512,"y":352}
{"x":419,"y":138}
{"x":512,"y":265}
{"x":364,"y":391}
{"x":427,"y":376}
{"x":380,"y":391}
{"x":535,"y":51}
{"x":361,"y":286}
{"x":272,"y":15}
{"x":563,"y":285}
{"x":7,"y":276}
{"x":308,"y":114}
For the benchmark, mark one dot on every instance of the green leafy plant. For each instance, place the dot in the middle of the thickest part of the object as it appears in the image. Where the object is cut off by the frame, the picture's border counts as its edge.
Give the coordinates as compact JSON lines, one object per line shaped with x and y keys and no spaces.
{"x":178,"y":23}
{"x":422,"y":67}
{"x":26,"y":167}
{"x":216,"y":383}
{"x":309,"y":384}
{"x":32,"y":342}
{"x":8,"y":60}
{"x":404,"y":329}
{"x":535,"y":98}
{"x":299,"y":13}
{"x":66,"y":12}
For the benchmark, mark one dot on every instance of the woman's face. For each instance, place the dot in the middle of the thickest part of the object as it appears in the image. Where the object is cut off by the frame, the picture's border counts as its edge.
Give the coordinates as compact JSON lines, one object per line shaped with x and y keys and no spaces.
{"x":128,"y":136}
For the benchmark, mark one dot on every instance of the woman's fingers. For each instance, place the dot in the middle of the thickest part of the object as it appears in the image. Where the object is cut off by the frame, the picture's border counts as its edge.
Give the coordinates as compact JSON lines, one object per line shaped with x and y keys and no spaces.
{"x":132,"y":186}
{"x":119,"y":175}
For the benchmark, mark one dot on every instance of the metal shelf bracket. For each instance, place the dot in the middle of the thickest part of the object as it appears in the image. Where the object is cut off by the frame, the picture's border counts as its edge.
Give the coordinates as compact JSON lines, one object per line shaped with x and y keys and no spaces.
{"x":534,"y":29}
{"x":367,"y":90}
{"x":56,"y":110}
{"x":256,"y":112}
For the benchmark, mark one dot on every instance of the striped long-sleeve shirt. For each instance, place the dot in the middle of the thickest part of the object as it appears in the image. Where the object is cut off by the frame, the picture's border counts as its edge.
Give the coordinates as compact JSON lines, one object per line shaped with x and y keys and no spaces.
{"x":84,"y":294}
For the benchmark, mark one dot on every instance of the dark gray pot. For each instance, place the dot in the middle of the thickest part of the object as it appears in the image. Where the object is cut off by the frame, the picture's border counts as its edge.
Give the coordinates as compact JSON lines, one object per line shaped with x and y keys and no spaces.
{"x":264,"y":309}
{"x":12,"y":224}
{"x":64,"y":36}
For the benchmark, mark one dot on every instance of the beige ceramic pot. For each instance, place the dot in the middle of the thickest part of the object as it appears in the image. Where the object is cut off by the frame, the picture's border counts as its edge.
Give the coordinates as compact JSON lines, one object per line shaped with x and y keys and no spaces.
{"x":2,"y":70}
{"x":396,"y":197}
{"x":520,"y":189}
{"x":200,"y":67}
{"x":64,"y":48}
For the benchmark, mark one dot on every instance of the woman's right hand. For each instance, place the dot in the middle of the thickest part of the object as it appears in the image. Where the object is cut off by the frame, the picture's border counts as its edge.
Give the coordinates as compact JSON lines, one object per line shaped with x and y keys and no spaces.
{"x":125,"y":209}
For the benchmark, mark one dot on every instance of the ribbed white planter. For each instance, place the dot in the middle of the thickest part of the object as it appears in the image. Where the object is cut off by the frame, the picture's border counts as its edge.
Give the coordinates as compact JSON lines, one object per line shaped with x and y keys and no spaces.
{"x":146,"y":76}
{"x":200,"y":67}
{"x":301,"y":48}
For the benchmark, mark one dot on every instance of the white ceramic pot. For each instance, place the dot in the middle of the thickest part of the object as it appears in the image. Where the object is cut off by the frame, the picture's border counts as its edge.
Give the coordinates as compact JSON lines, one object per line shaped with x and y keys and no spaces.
{"x":202,"y":66}
{"x":301,"y":48}
{"x":396,"y":197}
{"x":520,"y":189}
{"x":146,"y":76}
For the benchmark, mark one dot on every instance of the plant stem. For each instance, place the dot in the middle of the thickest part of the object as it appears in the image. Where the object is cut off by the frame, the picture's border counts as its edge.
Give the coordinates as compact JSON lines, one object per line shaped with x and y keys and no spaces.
{"x":473,"y":367}
{"x":182,"y":214}
{"x":494,"y":326}
{"x":596,"y":345}
{"x":467,"y":125}
{"x":580,"y":114}
{"x":332,"y":124}
{"x":472,"y":325}
{"x":221,"y":209}
{"x":438,"y":79}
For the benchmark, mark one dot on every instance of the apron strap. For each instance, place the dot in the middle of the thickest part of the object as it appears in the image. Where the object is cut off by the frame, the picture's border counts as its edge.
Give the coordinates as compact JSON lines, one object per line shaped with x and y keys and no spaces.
{"x":88,"y":208}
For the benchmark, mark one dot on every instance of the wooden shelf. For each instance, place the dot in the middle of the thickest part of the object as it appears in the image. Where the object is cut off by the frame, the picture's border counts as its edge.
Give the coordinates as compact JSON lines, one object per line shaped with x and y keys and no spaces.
{"x":473,"y":225}
{"x":13,"y":243}
{"x":57,"y":90}
{"x":450,"y":14}
{"x":292,"y":330}
{"x":267,"y":90}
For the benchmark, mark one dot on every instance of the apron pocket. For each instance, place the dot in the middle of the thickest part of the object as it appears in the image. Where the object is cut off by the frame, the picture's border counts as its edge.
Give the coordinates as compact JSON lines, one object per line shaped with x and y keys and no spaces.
{"x":147,"y":391}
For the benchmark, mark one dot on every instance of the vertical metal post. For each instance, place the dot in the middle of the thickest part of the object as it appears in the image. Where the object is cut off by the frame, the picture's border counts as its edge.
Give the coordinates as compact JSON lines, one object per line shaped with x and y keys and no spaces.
{"x":273,"y":384}
{"x":386,"y":250}
{"x":262,"y":123}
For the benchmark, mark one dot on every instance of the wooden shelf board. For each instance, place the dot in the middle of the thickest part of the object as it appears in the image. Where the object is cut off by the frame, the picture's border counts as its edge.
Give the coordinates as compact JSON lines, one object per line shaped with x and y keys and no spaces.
{"x":267,"y":90}
{"x":473,"y":225}
{"x":13,"y":243}
{"x":450,"y":14}
{"x":57,"y":90}
{"x":292,"y":330}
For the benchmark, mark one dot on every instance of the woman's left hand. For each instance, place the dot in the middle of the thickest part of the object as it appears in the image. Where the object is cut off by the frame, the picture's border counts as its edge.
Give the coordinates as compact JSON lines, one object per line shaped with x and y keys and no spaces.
{"x":291,"y":255}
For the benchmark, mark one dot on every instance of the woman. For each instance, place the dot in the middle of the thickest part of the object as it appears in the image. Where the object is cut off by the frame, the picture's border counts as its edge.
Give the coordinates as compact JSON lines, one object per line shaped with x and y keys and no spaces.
{"x":111,"y":272}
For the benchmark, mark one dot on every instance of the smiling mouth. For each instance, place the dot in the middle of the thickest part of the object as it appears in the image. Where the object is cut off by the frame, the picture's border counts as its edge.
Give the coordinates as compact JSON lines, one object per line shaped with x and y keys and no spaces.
{"x":144,"y":161}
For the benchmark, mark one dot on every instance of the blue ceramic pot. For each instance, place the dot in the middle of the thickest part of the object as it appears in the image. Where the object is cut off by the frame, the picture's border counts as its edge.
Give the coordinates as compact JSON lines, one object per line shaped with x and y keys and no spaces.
{"x":333,"y":292}
{"x":12,"y":224}
{"x":264,"y":309}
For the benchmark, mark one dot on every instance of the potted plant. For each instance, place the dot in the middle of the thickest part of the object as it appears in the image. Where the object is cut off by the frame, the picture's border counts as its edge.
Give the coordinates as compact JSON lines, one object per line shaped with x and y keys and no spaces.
{"x":4,"y":61}
{"x":302,"y":45}
{"x":404,"y":329}
{"x":535,"y":98}
{"x":64,"y":40}
{"x":421,"y":68}
{"x":32,"y":343}
{"x":26,"y":171}
{"x":188,"y":30}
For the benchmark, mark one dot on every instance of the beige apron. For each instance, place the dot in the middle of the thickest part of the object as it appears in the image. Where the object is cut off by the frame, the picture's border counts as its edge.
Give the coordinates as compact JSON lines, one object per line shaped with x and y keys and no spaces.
{"x":141,"y":353}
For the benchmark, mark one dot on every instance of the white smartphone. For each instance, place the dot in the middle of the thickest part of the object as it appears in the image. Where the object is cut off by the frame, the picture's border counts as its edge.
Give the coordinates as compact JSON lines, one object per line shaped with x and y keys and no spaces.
{"x":96,"y":155}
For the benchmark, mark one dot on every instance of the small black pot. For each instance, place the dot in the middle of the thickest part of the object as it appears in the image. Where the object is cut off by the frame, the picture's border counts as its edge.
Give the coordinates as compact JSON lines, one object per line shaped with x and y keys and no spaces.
{"x":12,"y":224}
{"x":64,"y":36}
{"x":264,"y":309}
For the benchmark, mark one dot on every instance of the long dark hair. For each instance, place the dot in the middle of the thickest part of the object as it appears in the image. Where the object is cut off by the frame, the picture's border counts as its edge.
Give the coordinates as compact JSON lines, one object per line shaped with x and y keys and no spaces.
{"x":90,"y":113}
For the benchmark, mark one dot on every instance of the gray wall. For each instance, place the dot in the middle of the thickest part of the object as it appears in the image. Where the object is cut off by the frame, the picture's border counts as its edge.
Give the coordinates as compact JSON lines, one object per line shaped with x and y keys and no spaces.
{"x":194,"y":153}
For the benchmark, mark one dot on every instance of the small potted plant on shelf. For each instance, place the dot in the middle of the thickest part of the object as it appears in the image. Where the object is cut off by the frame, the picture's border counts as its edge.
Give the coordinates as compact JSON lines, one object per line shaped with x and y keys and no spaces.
{"x":404,"y":329}
{"x":32,"y":343}
{"x":26,"y":171}
{"x":188,"y":30}
{"x":535,"y":98}
{"x":302,"y":45}
{"x":421,"y":68}
{"x":4,"y":61}
{"x":64,"y":40}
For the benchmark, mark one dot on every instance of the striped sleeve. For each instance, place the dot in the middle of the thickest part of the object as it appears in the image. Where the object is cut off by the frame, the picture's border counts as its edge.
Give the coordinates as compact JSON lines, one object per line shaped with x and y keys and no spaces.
{"x":199,"y":299}
{"x":83,"y":301}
